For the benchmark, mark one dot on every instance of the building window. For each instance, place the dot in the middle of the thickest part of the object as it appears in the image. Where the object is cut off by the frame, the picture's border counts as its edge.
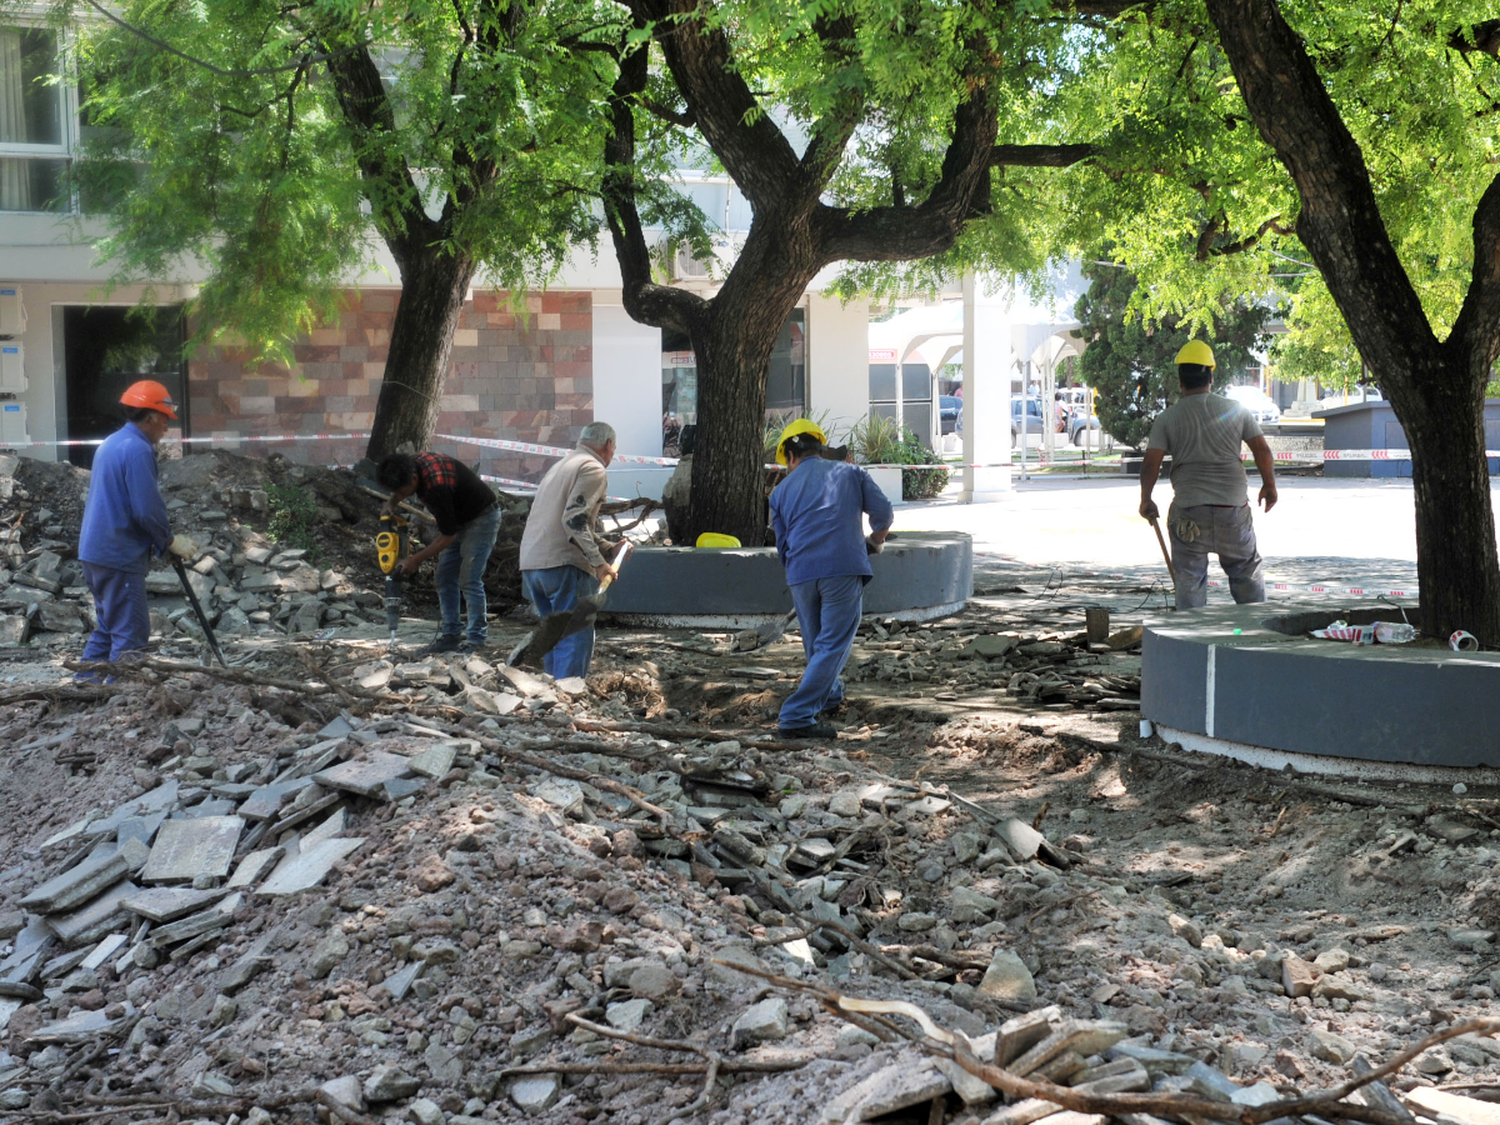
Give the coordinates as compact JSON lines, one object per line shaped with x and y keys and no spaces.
{"x":786,"y":383}
{"x":35,"y":123}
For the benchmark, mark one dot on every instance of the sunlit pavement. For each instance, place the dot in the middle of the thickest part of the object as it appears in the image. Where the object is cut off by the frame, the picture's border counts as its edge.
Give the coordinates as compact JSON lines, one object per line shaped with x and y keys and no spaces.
{"x":1333,"y":532}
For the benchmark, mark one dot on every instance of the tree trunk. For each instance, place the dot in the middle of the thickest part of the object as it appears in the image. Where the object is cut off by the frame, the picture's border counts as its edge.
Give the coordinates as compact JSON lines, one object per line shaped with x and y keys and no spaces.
{"x":733,"y":337}
{"x":433,"y":284}
{"x":1457,"y":568}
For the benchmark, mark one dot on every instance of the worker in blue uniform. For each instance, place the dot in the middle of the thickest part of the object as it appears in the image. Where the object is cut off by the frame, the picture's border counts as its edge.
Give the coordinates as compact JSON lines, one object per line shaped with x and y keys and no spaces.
{"x":125,"y":524}
{"x":818,"y":515}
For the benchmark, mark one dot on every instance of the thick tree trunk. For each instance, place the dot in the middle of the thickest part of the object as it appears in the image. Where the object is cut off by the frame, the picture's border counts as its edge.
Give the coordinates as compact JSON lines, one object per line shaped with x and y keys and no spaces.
{"x":1457,"y":568}
{"x":733,"y":336}
{"x":433,"y":284}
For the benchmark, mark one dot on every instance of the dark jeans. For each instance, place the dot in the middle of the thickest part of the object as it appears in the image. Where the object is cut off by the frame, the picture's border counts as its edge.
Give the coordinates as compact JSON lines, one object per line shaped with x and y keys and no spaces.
{"x":120,"y":603}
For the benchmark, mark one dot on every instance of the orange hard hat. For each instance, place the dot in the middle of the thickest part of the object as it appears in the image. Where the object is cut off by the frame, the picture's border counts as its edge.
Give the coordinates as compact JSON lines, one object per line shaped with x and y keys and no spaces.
{"x":152,"y":395}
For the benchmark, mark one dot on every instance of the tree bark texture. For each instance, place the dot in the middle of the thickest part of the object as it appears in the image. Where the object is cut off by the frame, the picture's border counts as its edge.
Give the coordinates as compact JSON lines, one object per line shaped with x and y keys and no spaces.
{"x":1435,"y":387}
{"x":433,"y":285}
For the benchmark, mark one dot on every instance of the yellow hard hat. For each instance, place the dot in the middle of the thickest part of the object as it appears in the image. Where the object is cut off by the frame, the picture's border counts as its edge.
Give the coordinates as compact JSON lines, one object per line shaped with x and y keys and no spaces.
{"x":800,"y":426}
{"x":716,"y":539}
{"x":1196,"y":351}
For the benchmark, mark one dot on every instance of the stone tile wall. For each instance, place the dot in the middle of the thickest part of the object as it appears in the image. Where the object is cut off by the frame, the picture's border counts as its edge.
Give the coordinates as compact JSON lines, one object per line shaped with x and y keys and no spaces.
{"x":526,"y":376}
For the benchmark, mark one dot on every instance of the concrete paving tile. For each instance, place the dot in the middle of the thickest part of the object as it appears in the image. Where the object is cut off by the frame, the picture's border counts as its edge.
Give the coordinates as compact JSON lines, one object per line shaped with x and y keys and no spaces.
{"x":309,"y":868}
{"x":185,"y":849}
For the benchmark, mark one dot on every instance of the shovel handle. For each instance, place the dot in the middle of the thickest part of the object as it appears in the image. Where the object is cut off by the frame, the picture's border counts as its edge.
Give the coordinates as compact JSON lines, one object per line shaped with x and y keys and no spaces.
{"x":1165,"y":554}
{"x":622,"y":552}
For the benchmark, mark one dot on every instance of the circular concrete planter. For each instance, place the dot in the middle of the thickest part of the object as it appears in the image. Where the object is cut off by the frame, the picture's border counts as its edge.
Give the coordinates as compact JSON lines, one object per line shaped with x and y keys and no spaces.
{"x":918,"y":577}
{"x":1247,"y":682}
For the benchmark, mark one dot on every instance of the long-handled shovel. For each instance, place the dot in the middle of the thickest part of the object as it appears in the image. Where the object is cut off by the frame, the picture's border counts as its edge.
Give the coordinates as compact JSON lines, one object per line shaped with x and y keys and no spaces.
{"x":192,"y":598}
{"x":556,"y":626}
{"x":1165,"y":554}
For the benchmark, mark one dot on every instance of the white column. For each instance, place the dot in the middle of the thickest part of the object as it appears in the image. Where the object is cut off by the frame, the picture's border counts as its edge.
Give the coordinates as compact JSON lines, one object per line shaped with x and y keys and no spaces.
{"x":627,"y":395}
{"x":838,"y":361}
{"x":986,"y":412}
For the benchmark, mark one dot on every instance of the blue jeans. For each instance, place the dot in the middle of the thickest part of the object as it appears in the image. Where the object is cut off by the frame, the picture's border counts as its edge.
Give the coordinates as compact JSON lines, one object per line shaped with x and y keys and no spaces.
{"x":460,"y":573}
{"x":124,"y":621}
{"x":828,"y":610}
{"x":557,"y":589}
{"x":1227,"y":532}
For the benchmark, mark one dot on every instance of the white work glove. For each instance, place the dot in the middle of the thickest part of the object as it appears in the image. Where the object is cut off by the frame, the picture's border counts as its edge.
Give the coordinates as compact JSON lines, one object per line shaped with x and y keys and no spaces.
{"x":872,"y":547}
{"x":183,"y":547}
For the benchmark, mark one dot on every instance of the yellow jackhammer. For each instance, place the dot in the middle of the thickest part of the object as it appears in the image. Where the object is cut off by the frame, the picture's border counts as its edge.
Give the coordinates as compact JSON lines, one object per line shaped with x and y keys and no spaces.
{"x":390,"y":548}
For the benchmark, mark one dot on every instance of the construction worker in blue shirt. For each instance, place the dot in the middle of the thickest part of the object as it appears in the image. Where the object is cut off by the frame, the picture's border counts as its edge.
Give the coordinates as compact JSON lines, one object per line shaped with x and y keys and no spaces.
{"x":818,"y":516}
{"x":125,"y":523}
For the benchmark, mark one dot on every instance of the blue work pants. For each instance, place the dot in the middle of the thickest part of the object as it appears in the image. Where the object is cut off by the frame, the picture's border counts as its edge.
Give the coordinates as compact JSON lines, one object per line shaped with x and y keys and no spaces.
{"x":828,"y":611}
{"x":120,"y":605}
{"x":556,"y":589}
{"x":460,"y":574}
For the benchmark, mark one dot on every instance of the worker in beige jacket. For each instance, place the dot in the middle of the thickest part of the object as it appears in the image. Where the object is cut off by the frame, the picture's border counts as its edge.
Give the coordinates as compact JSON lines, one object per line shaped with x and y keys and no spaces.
{"x":562,"y":559}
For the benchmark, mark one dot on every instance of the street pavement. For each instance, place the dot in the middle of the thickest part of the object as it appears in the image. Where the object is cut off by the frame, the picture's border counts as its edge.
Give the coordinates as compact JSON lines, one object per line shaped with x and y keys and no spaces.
{"x":1324,"y":532}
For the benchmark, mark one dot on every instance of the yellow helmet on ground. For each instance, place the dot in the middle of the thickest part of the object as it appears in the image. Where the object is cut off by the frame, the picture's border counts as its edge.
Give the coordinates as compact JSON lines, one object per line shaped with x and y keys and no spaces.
{"x":716,"y":539}
{"x":1196,"y":351}
{"x":800,"y":426}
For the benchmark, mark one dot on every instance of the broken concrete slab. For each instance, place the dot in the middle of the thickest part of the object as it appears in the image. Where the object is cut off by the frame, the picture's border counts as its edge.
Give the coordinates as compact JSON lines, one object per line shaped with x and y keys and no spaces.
{"x":1085,"y":1037}
{"x":1019,"y":1034}
{"x":102,"y":952}
{"x":77,"y":885}
{"x":163,"y":904}
{"x":892,"y":1088}
{"x":435,"y":761}
{"x":89,"y":924}
{"x":365,"y":776}
{"x":80,"y":1027}
{"x":187,"y":849}
{"x":307,"y":869}
{"x":327,"y":830}
{"x":1022,"y":839}
{"x":254,"y":867}
{"x":266,"y":801}
{"x":216,"y":917}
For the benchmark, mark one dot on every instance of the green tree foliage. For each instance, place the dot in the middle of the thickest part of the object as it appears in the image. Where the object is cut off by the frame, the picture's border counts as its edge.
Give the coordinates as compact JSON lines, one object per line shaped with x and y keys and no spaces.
{"x":281,"y":149}
{"x":1132,"y":363}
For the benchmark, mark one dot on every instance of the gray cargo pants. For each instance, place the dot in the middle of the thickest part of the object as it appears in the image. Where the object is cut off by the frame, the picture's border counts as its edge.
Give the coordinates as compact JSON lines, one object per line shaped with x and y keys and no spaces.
{"x":1206,"y":529}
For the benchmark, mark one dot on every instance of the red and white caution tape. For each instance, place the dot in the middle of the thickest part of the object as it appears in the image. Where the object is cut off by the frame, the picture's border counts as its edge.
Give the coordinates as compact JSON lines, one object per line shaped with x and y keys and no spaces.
{"x":549,"y":450}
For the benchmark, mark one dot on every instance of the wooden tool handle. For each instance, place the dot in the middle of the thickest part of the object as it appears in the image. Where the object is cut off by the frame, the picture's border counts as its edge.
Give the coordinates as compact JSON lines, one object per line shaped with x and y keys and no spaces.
{"x":622,"y":552}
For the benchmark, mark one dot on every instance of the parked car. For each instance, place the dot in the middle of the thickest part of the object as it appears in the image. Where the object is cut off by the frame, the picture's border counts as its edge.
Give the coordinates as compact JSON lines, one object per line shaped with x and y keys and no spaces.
{"x":1078,"y":426}
{"x":1335,"y":398}
{"x":1260,"y":404}
{"x":951,"y":414}
{"x":1036,"y":421}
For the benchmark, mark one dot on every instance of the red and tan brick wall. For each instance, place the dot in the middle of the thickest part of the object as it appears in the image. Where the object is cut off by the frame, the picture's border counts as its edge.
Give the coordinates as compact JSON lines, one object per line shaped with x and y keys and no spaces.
{"x":523,"y":375}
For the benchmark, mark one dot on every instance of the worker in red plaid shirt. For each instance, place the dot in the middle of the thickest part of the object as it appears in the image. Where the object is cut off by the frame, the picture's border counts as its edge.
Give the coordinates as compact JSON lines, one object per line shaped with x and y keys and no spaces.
{"x":468,"y":519}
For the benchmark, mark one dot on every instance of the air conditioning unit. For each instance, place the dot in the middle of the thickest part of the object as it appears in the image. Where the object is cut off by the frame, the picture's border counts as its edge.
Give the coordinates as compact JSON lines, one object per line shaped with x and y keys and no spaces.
{"x":685,"y":267}
{"x":13,"y":432}
{"x":12,"y":369}
{"x":12,"y":312}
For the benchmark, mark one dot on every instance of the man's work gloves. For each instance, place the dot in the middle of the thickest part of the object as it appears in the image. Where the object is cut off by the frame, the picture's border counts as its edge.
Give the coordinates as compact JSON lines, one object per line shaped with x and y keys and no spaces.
{"x":872,"y":547}
{"x":183,"y":547}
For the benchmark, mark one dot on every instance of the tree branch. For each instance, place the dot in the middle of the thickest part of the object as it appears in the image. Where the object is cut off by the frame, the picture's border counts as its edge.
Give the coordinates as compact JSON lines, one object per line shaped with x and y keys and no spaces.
{"x":891,"y":234}
{"x":644,"y":300}
{"x":1340,"y":221}
{"x":1041,"y":156}
{"x":396,"y":204}
{"x":752,"y":149}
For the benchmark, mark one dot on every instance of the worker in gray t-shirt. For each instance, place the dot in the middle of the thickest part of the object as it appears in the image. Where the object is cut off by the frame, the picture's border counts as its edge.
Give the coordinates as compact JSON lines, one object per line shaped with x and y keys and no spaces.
{"x":1210,"y":512}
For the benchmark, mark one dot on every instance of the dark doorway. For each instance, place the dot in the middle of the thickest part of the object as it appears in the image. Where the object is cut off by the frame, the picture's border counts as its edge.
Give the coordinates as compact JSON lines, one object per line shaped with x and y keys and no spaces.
{"x":107,"y":349}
